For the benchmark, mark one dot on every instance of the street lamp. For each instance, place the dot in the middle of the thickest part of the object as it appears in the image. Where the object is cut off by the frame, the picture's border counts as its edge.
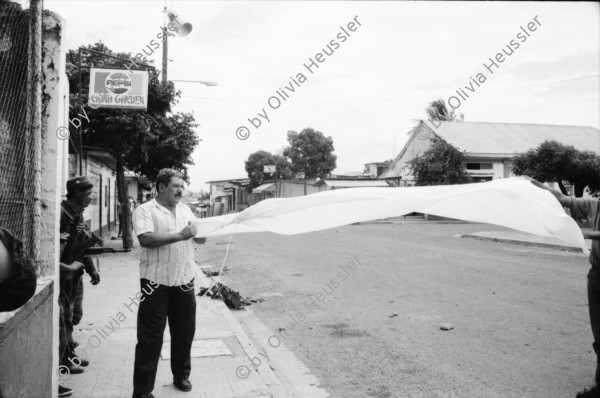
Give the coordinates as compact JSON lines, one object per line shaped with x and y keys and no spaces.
{"x":208,"y":83}
{"x":178,"y":25}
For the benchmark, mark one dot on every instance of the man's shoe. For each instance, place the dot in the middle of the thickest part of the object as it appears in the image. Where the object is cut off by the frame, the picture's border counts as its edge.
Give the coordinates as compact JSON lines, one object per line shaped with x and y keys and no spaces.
{"x":64,"y":391}
{"x":183,"y":385}
{"x":79,"y":361}
{"x":149,"y":395}
{"x":593,"y":392}
{"x":73,"y":369}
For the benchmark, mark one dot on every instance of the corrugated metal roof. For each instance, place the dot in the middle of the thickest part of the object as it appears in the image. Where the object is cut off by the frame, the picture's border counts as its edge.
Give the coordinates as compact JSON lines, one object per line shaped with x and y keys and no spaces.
{"x":352,"y":174}
{"x":503,"y":140}
{"x":355,"y":183}
{"x":263,"y":187}
{"x":230,"y":180}
{"x":512,"y":138}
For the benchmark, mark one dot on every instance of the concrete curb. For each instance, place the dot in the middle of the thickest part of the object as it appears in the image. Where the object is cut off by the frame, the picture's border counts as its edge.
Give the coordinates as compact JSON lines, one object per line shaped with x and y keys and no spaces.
{"x":567,"y":248}
{"x":409,"y":221}
{"x":296,"y":380}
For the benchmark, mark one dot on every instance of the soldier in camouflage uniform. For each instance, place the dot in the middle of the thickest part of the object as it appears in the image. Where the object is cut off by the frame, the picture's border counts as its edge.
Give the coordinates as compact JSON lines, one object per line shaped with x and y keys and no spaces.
{"x":62,"y":329}
{"x":79,"y":193}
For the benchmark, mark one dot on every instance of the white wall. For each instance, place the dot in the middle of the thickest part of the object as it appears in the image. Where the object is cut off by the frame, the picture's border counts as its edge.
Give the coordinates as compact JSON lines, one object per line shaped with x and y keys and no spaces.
{"x":132,"y":187}
{"x":415,"y":147}
{"x":216,"y":190}
{"x":287,"y":189}
{"x":103,"y":197}
{"x":55,"y":172}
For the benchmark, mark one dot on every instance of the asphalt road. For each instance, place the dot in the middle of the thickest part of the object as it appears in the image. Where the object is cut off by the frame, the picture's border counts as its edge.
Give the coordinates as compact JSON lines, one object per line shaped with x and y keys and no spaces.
{"x":362,"y":308}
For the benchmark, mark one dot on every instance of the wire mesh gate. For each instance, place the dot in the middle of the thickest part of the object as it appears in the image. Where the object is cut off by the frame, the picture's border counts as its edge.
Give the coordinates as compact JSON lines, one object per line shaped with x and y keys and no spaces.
{"x":20,"y":119}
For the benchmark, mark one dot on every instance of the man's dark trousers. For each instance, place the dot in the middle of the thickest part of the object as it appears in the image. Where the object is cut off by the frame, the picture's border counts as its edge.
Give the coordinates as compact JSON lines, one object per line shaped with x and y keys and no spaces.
{"x":178,"y":304}
{"x":594,"y":306}
{"x":70,"y":282}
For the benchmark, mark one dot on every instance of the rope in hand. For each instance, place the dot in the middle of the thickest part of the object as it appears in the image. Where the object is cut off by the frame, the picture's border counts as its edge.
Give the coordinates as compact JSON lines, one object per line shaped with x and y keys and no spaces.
{"x":223,"y":264}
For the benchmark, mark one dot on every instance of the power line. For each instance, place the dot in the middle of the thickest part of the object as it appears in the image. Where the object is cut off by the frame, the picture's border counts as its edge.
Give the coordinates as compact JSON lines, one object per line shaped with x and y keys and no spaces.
{"x":398,"y":99}
{"x":430,"y":96}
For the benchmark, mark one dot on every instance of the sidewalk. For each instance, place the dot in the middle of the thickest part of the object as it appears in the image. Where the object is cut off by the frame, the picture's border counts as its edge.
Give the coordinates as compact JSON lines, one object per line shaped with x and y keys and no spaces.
{"x":522,"y":238}
{"x":226,"y":361}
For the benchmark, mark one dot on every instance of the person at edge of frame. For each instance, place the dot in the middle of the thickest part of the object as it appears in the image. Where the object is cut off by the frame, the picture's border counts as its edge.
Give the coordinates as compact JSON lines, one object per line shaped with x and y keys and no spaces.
{"x":165,"y":230}
{"x":79,"y":196}
{"x":18,"y":278}
{"x":62,"y":329}
{"x":587,"y":208}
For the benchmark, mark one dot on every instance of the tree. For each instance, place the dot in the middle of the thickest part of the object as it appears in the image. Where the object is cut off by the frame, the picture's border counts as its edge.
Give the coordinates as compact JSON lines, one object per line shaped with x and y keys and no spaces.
{"x":442,"y":164}
{"x":310,"y":152}
{"x":282,"y":166}
{"x":437,"y":109}
{"x":142,"y":141}
{"x":259,"y":159}
{"x":552,"y":161}
{"x":168,"y":142}
{"x":204,"y":195}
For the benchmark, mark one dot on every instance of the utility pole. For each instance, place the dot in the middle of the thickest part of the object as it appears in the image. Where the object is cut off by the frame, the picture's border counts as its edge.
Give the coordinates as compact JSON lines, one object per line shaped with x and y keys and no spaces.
{"x":305,"y":164}
{"x":165,"y":44}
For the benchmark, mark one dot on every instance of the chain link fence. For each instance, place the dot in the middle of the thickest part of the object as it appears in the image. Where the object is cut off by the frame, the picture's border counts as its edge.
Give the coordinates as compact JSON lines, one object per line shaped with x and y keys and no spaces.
{"x":20,"y":115}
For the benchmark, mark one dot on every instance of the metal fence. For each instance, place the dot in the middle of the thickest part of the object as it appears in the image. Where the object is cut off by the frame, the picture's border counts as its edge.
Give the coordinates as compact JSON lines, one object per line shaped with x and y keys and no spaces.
{"x":20,"y":120}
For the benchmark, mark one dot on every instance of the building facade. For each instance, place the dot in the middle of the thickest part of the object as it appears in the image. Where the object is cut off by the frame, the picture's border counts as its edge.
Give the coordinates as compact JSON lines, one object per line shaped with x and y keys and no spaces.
{"x":228,"y":195}
{"x":376,"y":169}
{"x":101,"y":215}
{"x":488,"y":147}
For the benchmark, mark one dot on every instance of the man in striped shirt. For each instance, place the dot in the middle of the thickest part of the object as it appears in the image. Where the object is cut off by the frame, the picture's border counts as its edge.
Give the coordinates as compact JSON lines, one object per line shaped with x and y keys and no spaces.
{"x":166,"y":233}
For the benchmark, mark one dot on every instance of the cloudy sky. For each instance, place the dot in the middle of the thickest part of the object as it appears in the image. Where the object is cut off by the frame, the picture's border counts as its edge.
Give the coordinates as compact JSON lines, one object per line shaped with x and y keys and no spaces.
{"x":377,"y":81}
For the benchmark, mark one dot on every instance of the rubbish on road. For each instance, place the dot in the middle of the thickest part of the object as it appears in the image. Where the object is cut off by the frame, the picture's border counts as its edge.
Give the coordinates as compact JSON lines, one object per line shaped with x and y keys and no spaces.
{"x":232,"y":299}
{"x":446,"y":326}
{"x":209,"y":272}
{"x":254,"y":300}
{"x":394,"y":314}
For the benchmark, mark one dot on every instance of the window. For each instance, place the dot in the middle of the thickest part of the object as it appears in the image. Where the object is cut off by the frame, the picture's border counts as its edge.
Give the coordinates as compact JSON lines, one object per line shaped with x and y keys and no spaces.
{"x":482,"y":179}
{"x":479,"y":166}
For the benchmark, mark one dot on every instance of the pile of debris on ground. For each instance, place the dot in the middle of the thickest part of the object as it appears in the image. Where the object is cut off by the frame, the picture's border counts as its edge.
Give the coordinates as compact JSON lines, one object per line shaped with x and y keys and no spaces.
{"x":232,"y":299}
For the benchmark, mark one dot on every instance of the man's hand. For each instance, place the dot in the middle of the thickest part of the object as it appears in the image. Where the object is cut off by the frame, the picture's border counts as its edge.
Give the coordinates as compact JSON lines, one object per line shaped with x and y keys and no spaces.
{"x":200,"y":241}
{"x":76,"y":265}
{"x":95,"y":277}
{"x":534,"y":182}
{"x":565,"y":201}
{"x":188,"y":232}
{"x":593,"y":235}
{"x":80,"y":228}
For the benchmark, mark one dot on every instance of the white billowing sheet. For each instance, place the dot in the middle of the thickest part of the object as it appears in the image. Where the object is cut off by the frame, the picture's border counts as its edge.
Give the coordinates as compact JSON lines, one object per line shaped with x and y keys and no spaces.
{"x":514,"y":203}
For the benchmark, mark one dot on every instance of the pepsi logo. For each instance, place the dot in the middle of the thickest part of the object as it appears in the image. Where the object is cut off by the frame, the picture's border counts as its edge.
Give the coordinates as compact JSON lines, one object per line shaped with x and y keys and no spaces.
{"x":118,"y":83}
